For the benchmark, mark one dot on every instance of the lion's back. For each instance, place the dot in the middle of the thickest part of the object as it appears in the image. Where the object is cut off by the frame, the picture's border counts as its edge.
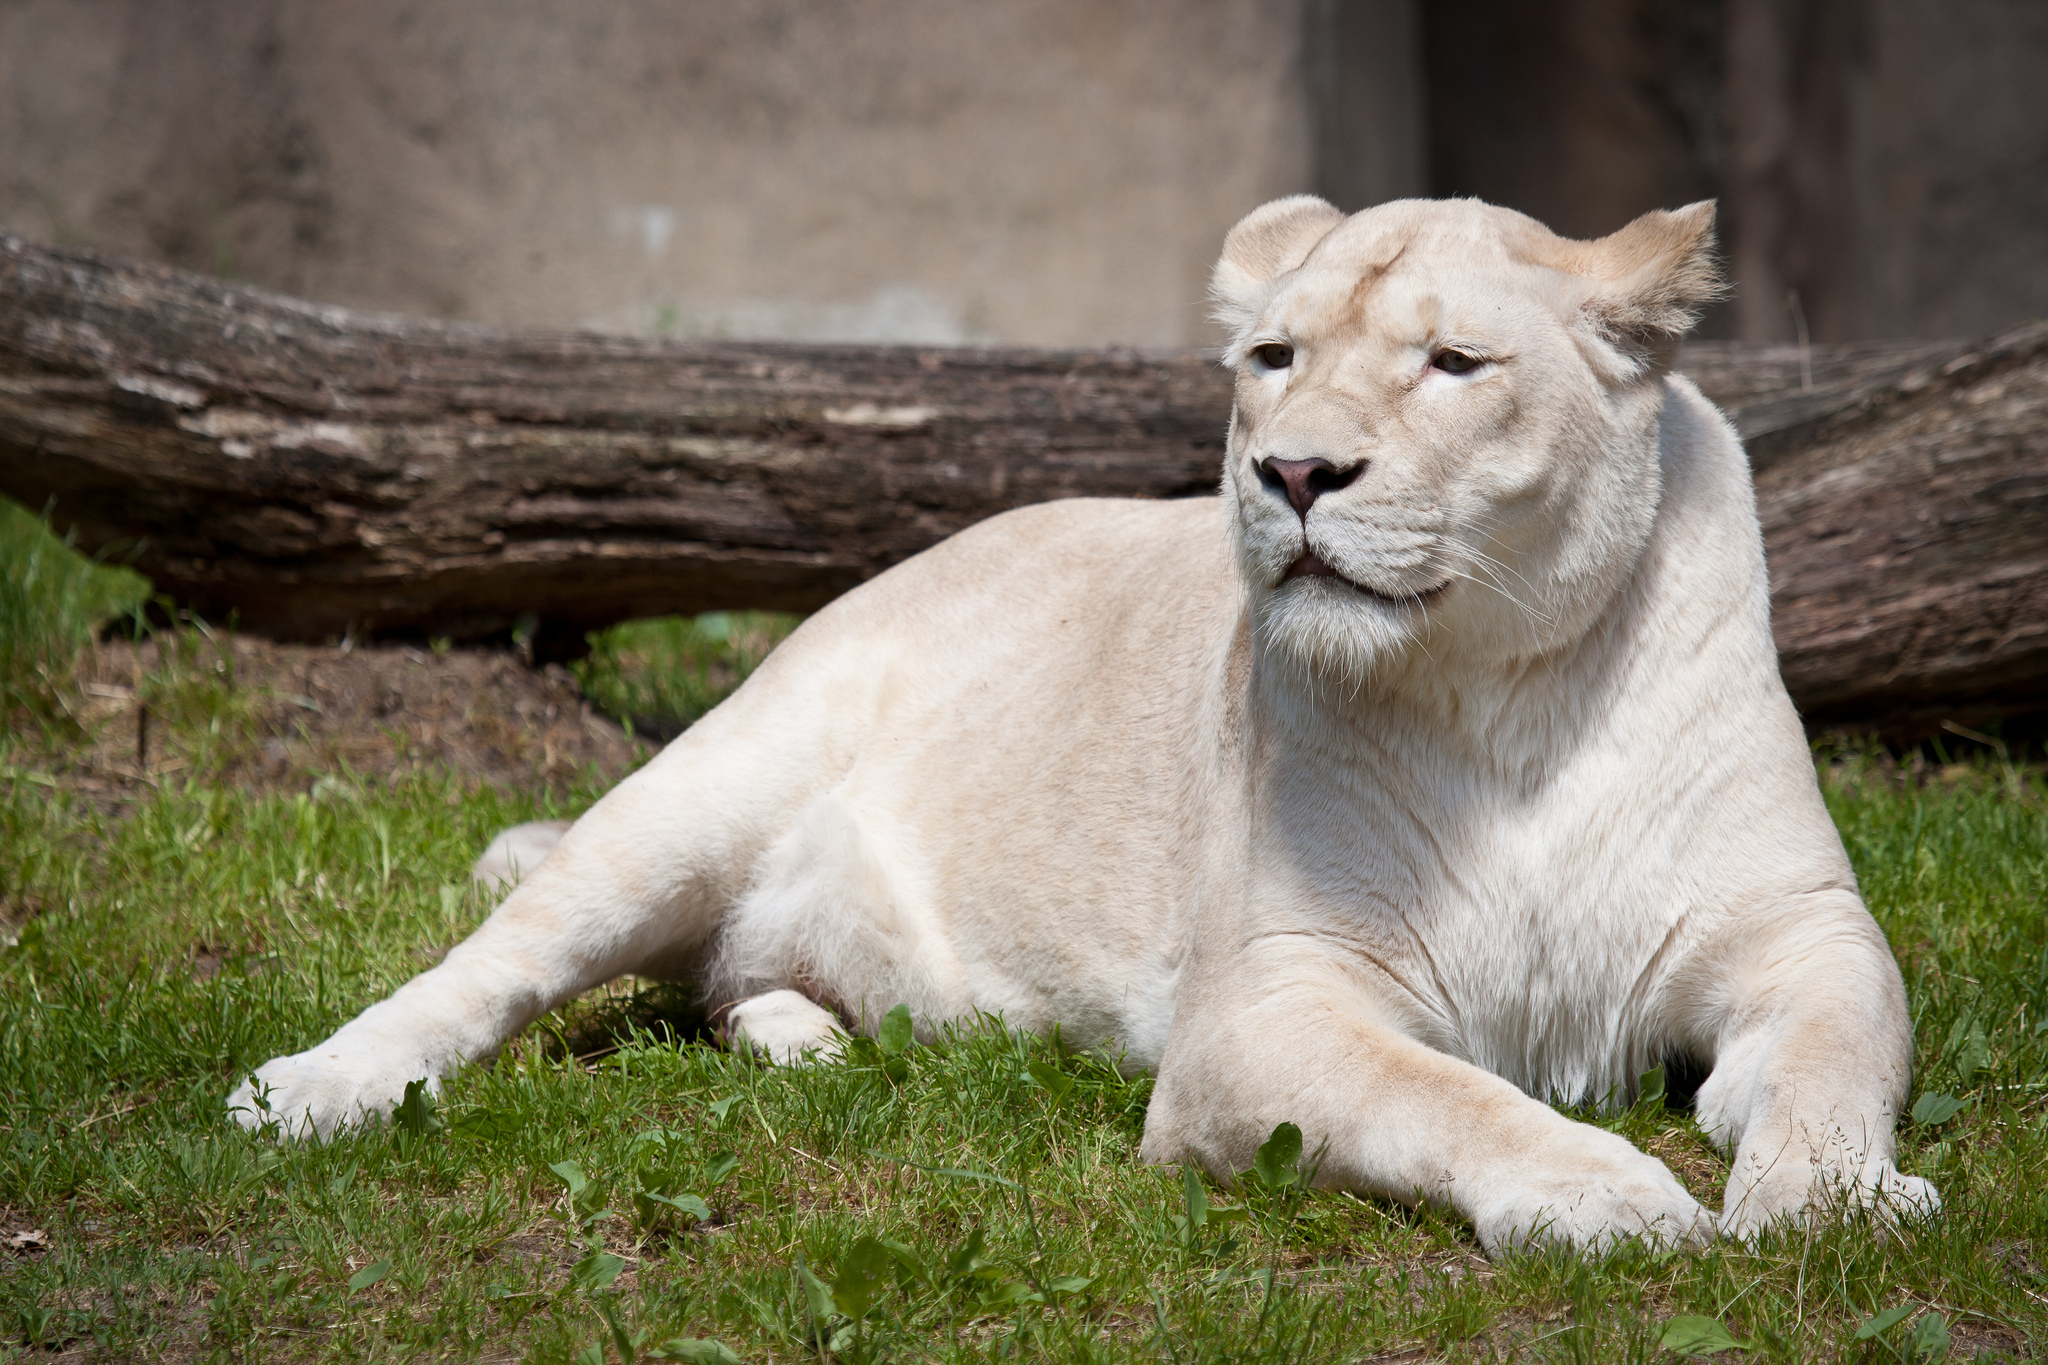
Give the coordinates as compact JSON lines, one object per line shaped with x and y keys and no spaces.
{"x":1056,"y":592}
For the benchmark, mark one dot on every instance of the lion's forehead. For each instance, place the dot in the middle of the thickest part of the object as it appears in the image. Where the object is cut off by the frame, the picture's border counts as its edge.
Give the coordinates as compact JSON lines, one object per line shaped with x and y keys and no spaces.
{"x":1432,"y":230}
{"x":1358,"y":301}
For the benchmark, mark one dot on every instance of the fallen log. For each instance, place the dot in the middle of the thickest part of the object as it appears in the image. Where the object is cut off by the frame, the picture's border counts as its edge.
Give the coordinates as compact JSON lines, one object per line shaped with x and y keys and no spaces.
{"x":314,"y":471}
{"x":317,"y":471}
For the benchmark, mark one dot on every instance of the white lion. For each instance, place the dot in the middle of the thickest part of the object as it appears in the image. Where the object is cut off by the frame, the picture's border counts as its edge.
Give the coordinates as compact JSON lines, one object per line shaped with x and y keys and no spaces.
{"x":1438,"y":769}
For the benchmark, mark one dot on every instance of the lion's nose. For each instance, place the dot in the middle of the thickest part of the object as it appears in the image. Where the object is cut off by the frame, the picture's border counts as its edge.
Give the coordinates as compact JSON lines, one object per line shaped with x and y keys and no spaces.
{"x":1303,"y":481}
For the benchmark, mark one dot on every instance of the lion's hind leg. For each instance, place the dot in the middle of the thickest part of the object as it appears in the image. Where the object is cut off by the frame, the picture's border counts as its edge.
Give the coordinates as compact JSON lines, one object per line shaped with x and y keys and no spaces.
{"x":788,"y":1026}
{"x":516,"y":852}
{"x":838,"y":912}
{"x":638,"y":886}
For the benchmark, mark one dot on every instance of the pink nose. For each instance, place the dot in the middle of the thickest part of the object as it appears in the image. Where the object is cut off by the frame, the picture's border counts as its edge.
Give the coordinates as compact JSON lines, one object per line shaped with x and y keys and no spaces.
{"x":1303,"y":481}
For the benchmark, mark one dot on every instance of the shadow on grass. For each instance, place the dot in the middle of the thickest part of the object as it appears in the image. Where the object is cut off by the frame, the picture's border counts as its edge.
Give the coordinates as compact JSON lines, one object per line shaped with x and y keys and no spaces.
{"x":598,"y":1025}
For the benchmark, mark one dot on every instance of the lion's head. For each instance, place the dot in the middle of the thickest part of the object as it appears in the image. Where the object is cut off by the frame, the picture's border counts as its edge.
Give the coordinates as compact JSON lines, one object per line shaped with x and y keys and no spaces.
{"x":1446,"y":430}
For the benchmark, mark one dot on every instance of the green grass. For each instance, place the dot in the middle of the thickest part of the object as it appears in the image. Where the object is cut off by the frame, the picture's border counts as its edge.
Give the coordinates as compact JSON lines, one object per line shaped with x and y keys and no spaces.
{"x":978,"y":1200}
{"x":51,"y":600}
{"x":660,"y":675}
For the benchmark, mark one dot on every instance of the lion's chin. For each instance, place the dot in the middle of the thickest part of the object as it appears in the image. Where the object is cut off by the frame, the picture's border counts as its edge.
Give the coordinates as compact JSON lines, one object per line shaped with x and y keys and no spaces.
{"x":1309,"y":564}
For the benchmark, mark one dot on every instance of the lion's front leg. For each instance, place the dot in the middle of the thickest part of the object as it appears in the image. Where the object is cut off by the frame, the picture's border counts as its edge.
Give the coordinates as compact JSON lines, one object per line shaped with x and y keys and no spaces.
{"x":1396,"y":1118}
{"x":1812,"y":1065}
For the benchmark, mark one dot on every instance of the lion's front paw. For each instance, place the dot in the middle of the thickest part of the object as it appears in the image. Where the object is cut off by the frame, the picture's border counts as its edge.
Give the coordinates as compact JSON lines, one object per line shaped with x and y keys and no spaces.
{"x":318,"y":1092}
{"x":1762,"y":1194}
{"x":1588,"y":1192}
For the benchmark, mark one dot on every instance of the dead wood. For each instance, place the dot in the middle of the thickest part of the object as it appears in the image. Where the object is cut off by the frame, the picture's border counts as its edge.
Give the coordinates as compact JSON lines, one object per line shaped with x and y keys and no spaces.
{"x":315,"y":472}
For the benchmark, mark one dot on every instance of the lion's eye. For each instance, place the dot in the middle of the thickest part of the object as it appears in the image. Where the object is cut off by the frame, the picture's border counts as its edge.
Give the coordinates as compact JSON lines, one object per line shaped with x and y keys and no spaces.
{"x":1274,"y":355}
{"x":1455,"y":362}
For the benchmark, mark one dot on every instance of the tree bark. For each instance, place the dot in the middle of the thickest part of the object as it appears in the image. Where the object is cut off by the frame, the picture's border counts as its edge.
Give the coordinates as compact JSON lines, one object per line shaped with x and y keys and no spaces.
{"x":314,"y":472}
{"x":1906,"y":521}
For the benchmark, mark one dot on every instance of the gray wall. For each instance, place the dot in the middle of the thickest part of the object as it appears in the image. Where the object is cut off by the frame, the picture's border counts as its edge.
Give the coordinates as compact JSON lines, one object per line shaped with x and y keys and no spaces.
{"x":1887,"y":160}
{"x":1053,"y":172}
{"x":1032,"y":171}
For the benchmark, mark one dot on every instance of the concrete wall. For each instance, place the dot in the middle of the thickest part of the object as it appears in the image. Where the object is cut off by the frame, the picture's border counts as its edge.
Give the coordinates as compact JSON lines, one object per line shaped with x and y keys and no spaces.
{"x":1889,"y":163}
{"x":1046,"y":172}
{"x":1882,"y":164}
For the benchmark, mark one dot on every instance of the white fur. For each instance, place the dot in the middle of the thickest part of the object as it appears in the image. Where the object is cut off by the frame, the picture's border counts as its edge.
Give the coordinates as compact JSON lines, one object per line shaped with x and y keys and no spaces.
{"x":1398,"y":869}
{"x":516,"y":852}
{"x":786,"y":1025}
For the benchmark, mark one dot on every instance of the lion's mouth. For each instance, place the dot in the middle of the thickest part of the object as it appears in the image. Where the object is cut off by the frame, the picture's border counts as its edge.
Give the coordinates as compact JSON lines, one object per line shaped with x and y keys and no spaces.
{"x":1312,"y":565}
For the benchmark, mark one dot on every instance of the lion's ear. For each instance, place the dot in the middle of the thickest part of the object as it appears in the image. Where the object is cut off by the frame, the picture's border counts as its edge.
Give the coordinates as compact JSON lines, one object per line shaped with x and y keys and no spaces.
{"x":1651,"y":279}
{"x":1270,"y":241}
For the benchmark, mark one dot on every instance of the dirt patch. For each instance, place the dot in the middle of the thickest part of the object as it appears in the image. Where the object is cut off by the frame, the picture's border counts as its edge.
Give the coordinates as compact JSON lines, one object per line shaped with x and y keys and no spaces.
{"x":1986,"y":1341}
{"x":267,"y":717}
{"x":1694,"y":1161}
{"x":18,"y":906}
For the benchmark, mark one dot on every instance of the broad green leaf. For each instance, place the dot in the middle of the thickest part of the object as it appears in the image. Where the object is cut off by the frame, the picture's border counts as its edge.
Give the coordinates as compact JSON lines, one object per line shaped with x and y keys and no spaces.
{"x":1278,"y":1163}
{"x":1069,"y":1284}
{"x":817,"y":1294}
{"x":1195,"y":1197}
{"x":907,"y":1261}
{"x":484,"y":1125}
{"x":862,"y":1270}
{"x":967,"y":1259}
{"x":1051,"y":1079}
{"x":688,"y":1203}
{"x":1650,"y":1088}
{"x":696,"y":1351}
{"x":1976,"y":1051}
{"x":722,"y":1165}
{"x":369,"y":1275}
{"x":596,"y":1270}
{"x":1930,"y":1337}
{"x":895,"y":1032}
{"x":627,"y":1342}
{"x":720,"y":1108}
{"x":1690,"y":1336}
{"x":647,"y":1208}
{"x":1934,"y":1109}
{"x":572,"y":1176}
{"x":648,"y":1205}
{"x":415,"y":1113}
{"x":1883,"y":1322}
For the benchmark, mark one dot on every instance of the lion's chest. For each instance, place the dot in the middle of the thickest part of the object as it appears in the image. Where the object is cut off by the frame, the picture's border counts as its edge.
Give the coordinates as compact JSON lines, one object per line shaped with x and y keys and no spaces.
{"x":1529,"y":940}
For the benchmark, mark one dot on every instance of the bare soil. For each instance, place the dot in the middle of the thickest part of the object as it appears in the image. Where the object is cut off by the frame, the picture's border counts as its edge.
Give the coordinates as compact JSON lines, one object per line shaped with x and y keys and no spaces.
{"x":270,"y":717}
